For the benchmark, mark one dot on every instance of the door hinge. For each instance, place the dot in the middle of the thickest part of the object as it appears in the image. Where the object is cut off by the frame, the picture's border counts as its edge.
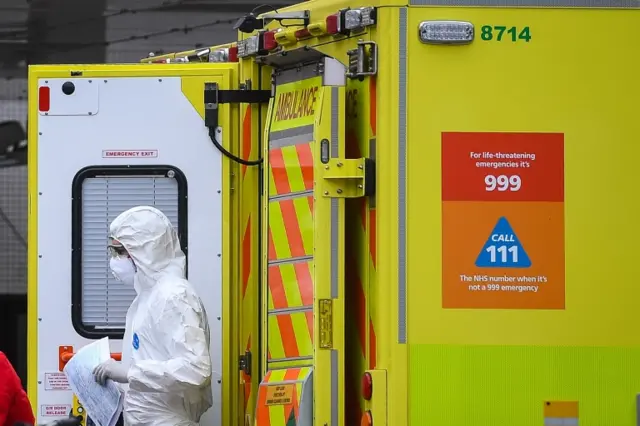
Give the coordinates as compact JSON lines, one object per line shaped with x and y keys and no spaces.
{"x":349,"y":178}
{"x":244,"y":362}
{"x":363,"y":60}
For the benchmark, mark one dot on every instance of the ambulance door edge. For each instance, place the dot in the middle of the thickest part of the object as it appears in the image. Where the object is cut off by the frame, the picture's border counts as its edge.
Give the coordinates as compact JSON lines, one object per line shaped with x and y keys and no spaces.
{"x":32,"y":239}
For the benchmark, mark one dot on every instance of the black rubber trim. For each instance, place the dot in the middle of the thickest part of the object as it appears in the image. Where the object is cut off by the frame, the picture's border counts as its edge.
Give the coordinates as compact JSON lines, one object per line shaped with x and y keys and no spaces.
{"x":91,"y":332}
{"x":221,"y":96}
{"x":369,"y":177}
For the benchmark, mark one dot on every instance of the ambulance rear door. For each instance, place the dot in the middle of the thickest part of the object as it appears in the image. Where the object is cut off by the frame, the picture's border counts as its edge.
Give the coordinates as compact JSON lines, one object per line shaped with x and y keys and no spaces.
{"x":105,"y":138}
{"x":306,"y":180}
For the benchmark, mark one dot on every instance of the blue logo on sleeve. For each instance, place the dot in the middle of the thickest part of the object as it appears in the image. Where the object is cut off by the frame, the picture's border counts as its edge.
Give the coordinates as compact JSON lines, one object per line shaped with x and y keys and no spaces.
{"x":136,"y":341}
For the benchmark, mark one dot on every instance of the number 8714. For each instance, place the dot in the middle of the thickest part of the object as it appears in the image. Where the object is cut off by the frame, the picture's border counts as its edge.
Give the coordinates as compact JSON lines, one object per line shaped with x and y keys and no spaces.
{"x":497,"y":33}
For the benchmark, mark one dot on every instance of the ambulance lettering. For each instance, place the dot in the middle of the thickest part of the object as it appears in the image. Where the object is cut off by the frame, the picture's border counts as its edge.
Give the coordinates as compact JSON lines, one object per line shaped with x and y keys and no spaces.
{"x":296,"y":104}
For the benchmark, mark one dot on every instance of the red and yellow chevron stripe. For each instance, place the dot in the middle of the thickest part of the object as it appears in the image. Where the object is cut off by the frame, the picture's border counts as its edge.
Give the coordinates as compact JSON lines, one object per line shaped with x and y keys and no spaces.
{"x":288,"y":386}
{"x":290,"y":335}
{"x":290,"y":246}
{"x":290,"y":169}
{"x":290,"y":228}
{"x":291,"y":285}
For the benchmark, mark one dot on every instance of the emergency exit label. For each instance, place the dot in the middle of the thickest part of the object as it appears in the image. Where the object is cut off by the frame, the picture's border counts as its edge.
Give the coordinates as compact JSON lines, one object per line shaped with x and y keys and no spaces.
{"x":503,"y":220}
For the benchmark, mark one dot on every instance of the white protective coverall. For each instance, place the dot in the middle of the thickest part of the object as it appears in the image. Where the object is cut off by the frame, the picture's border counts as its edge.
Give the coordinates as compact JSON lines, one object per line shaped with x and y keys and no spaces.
{"x":166,"y":341}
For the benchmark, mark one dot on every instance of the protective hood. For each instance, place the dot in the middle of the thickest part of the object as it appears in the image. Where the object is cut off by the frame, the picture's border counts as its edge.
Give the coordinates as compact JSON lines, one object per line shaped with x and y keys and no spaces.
{"x":153,"y":244}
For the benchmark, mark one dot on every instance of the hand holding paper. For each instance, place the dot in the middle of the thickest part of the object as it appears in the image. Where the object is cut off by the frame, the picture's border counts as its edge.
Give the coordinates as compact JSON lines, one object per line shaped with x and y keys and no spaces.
{"x":110,"y":369}
{"x":103,"y":403}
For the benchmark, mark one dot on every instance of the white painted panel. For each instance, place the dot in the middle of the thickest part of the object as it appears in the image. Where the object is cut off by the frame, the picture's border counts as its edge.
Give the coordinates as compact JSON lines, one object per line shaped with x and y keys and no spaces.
{"x":134,"y":114}
{"x":83,"y":99}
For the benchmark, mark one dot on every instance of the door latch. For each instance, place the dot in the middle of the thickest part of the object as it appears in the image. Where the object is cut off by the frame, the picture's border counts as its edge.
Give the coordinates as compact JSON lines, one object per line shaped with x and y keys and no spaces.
{"x":363,"y":60}
{"x":244,"y":363}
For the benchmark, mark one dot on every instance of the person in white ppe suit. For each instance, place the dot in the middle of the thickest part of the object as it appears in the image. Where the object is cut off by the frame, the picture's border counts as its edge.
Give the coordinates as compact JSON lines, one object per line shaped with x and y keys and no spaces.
{"x":166,"y":361}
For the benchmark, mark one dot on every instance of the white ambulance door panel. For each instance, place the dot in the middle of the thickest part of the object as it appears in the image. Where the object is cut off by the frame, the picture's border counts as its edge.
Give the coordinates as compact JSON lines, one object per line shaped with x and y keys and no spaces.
{"x":139,"y":141}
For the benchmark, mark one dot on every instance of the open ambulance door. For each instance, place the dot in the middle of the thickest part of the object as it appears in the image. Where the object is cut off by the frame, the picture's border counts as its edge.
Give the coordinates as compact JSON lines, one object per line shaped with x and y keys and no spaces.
{"x":105,"y":138}
{"x":307,"y":179}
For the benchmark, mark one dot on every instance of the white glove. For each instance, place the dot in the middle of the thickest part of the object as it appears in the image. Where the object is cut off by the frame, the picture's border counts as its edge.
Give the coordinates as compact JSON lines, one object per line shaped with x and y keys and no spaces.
{"x":110,"y":369}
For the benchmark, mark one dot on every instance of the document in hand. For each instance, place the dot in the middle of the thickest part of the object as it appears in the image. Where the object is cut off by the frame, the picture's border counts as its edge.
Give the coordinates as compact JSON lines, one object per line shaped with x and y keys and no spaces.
{"x":102,"y":403}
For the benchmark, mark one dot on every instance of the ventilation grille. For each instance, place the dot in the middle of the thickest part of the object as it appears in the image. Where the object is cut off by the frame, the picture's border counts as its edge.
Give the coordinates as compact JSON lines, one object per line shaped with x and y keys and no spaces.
{"x":104,"y":299}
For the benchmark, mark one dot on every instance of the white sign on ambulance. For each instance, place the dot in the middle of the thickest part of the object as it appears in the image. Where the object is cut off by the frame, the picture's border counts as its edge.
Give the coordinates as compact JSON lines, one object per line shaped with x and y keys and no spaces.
{"x":56,"y":381}
{"x":130,"y":153}
{"x":59,"y":410}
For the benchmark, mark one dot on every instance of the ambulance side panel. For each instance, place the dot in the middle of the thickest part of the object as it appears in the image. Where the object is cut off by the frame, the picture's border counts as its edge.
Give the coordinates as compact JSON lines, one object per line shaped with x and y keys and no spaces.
{"x":521,"y":157}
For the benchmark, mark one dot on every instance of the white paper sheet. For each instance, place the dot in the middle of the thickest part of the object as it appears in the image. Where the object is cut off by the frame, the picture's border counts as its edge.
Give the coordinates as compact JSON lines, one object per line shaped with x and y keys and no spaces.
{"x":102,"y":403}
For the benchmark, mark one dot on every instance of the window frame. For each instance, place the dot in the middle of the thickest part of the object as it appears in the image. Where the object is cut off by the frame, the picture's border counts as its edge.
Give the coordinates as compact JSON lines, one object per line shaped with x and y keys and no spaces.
{"x":88,"y":331}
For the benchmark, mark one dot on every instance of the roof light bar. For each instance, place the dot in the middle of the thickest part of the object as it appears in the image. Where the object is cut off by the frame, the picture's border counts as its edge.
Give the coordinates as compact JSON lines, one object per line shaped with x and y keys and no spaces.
{"x":269,"y":41}
{"x":317,"y":29}
{"x":286,"y":37}
{"x":180,"y":59}
{"x":446,"y":32}
{"x":302,"y":33}
{"x":334,"y":23}
{"x":219,"y":55}
{"x":359,"y":18}
{"x":233,"y":54}
{"x":249,"y":46}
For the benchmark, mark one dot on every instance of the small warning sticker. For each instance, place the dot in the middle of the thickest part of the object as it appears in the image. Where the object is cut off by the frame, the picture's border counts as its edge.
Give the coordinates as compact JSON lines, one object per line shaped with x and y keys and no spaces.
{"x":55,"y":410}
{"x":279,"y":394}
{"x":56,"y":382}
{"x":130,"y":153}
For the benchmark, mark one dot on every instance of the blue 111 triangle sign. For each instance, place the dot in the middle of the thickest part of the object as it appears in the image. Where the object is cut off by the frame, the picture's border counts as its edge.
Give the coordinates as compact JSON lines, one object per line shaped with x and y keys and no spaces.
{"x":503,"y":249}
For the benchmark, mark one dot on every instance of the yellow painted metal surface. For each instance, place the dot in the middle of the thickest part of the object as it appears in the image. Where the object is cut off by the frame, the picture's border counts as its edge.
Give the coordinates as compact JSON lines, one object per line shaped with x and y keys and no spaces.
{"x":77,"y":410}
{"x":32,"y":247}
{"x":497,"y":366}
{"x":253,"y":119}
{"x":324,"y":393}
{"x":391,"y":355}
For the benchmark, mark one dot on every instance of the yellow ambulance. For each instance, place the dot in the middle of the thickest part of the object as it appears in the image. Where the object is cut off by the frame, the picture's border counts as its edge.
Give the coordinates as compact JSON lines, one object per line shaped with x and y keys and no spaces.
{"x":396,"y":213}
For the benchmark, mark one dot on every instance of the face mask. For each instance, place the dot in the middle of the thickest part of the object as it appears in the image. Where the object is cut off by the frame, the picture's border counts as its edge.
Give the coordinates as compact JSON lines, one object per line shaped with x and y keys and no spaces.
{"x":123,"y":269}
